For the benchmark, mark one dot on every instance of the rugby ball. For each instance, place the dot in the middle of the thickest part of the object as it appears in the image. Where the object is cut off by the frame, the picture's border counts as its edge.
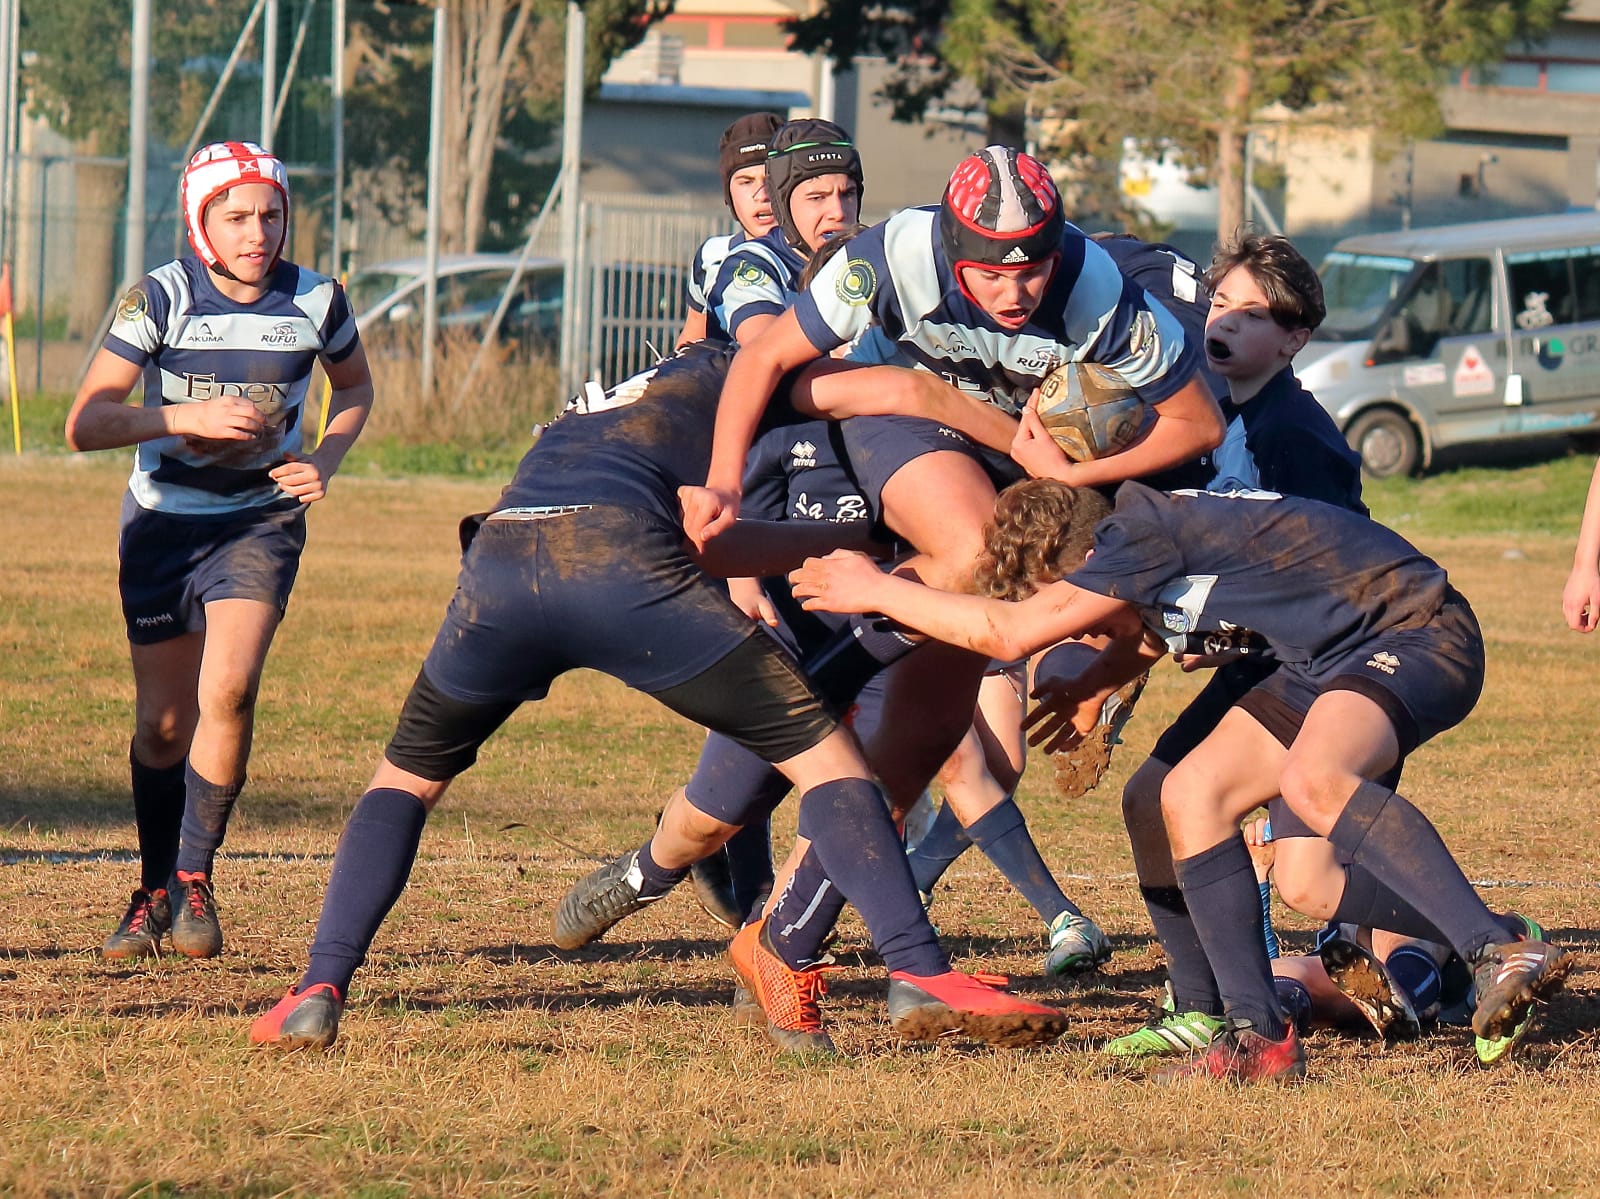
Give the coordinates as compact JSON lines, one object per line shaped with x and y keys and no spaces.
{"x":1089,"y":410}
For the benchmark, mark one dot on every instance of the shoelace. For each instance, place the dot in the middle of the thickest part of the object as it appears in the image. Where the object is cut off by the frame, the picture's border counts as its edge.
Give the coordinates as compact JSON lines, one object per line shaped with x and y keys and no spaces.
{"x":997,"y":981}
{"x":196,"y":891}
{"x":139,"y":913}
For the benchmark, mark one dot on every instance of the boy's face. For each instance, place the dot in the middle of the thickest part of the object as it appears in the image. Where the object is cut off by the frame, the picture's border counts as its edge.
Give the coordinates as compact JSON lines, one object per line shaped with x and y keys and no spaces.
{"x":1010,"y":296}
{"x":1243,"y":340}
{"x":751,"y":206}
{"x":245,"y":228}
{"x":823,"y":206}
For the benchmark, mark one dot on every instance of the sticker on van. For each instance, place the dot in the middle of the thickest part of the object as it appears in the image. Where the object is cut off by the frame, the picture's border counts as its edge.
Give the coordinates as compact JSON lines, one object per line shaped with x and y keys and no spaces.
{"x":1424,"y":375}
{"x":1473,"y":376}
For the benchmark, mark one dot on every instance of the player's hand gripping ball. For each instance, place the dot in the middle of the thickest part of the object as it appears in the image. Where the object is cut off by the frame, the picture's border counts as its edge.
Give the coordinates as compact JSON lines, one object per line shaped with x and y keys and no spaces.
{"x":1089,"y":410}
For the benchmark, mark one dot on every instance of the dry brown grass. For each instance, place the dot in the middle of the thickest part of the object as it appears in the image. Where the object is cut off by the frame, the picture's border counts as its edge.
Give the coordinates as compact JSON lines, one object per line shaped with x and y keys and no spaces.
{"x":475,"y":1059}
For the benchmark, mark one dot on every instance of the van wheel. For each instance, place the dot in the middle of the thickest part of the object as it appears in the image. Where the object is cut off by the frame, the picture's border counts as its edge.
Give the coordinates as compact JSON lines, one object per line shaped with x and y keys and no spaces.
{"x":1386,"y":441}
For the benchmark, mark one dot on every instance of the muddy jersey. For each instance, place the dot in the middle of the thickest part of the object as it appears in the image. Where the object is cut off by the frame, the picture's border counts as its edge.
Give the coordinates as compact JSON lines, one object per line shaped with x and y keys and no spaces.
{"x":801,"y":472}
{"x":193,"y":343}
{"x":635,"y":444}
{"x":703,"y":270}
{"x":1310,"y":581}
{"x":896,"y":275}
{"x":1283,"y":440}
{"x":759,"y":277}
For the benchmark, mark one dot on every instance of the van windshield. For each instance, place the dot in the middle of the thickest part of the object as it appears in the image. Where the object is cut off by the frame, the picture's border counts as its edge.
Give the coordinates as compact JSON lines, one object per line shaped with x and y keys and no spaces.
{"x":1357,"y":288}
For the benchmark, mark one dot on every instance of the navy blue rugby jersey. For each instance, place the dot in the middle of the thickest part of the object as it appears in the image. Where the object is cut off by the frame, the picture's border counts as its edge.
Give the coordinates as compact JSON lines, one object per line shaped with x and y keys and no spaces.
{"x":801,"y":472}
{"x":895,"y":276}
{"x":1283,"y":440}
{"x":759,"y":277}
{"x":194,"y":343}
{"x":648,"y":436}
{"x":1311,"y":580}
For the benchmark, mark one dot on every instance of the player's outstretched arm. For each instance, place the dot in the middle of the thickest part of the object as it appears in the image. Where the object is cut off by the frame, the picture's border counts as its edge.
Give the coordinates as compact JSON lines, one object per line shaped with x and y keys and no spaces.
{"x":349,"y":405}
{"x":851,"y":583}
{"x":101,"y":419}
{"x":1580,"y":599}
{"x":837,"y":389}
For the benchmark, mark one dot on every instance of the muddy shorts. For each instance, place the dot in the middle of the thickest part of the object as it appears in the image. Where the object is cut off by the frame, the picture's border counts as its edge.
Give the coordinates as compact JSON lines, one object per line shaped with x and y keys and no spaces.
{"x":604,"y":588}
{"x":172,"y":566}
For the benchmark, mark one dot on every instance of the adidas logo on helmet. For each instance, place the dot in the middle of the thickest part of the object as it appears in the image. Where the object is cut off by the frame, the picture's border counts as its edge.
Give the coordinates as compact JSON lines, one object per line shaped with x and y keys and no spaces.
{"x":1001,"y":211}
{"x":215,"y":169}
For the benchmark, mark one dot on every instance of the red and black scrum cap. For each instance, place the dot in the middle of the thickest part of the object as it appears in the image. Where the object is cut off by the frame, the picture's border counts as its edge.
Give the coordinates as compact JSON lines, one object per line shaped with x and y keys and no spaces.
{"x":1001,"y":211}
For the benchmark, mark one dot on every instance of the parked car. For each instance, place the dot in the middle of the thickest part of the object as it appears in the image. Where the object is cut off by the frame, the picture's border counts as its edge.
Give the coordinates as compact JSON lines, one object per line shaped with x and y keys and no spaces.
{"x":638,"y":316}
{"x":1459,"y":334}
{"x":388,"y":298}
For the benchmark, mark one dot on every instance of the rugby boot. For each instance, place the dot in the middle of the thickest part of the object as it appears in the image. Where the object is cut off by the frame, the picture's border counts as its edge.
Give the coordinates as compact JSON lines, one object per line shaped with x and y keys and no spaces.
{"x":925,"y":1008}
{"x":1240,"y":1054}
{"x":1076,"y":943}
{"x":712,"y":880}
{"x":788,"y":998}
{"x":1168,"y":1032}
{"x":147,"y":920}
{"x":1079,"y":770}
{"x":196,"y":932}
{"x":600,"y":899}
{"x":307,"y":1019}
{"x":1510,"y":981}
{"x":1366,"y":982}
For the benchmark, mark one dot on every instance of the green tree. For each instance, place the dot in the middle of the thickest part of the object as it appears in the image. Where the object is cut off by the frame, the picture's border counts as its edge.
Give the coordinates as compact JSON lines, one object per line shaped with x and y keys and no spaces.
{"x":1182,"y":76}
{"x":503,"y":94}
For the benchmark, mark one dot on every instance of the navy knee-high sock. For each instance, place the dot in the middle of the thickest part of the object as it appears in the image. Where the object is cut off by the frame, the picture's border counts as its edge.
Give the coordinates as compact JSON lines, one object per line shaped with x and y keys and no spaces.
{"x":1002,"y":834}
{"x":805,"y":913}
{"x":1415,"y":970}
{"x":1219,"y":885}
{"x":1381,"y":831}
{"x":941,"y":845}
{"x":853,"y":838}
{"x":750,"y":864}
{"x":157,"y":817}
{"x":206,"y":809}
{"x":370,"y":869}
{"x":1194,"y":986}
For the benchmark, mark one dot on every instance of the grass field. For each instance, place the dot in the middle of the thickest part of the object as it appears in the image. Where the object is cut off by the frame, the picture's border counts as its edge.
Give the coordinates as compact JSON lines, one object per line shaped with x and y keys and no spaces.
{"x":477,"y":1060}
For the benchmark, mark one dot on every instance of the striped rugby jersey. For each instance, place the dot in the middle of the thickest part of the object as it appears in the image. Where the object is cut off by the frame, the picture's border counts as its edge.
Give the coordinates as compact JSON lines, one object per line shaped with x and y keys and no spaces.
{"x":895,"y":276}
{"x":193,"y":343}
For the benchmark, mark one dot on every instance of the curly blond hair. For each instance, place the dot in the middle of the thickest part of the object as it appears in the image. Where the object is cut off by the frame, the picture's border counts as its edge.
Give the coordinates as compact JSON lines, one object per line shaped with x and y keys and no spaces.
{"x":1041,"y":531}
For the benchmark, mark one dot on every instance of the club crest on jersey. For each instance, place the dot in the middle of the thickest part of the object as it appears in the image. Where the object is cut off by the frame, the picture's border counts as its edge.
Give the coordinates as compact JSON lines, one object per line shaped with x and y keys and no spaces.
{"x":749,"y":274}
{"x":1384,"y":661}
{"x":133,"y":304}
{"x":857,"y":283}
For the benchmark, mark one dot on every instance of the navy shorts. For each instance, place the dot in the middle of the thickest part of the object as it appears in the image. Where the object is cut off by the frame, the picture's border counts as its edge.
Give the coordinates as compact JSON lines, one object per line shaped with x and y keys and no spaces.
{"x":610,"y":589}
{"x":172,"y":566}
{"x":1426,"y":679}
{"x":879,"y":446}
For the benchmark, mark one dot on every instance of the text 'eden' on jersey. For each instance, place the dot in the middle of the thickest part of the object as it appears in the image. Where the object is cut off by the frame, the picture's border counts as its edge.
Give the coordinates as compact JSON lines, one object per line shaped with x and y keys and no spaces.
{"x":194,"y":344}
{"x":896,"y":275}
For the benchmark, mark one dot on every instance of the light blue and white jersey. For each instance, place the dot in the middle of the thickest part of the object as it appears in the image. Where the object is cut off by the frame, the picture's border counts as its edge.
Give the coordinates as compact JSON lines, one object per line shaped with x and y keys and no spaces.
{"x":703,"y":270}
{"x":759,"y":277}
{"x":895,"y":275}
{"x":194,"y":343}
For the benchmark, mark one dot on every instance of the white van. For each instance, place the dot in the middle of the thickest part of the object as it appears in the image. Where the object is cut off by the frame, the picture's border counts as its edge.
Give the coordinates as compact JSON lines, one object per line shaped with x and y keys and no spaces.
{"x":1459,"y":333}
